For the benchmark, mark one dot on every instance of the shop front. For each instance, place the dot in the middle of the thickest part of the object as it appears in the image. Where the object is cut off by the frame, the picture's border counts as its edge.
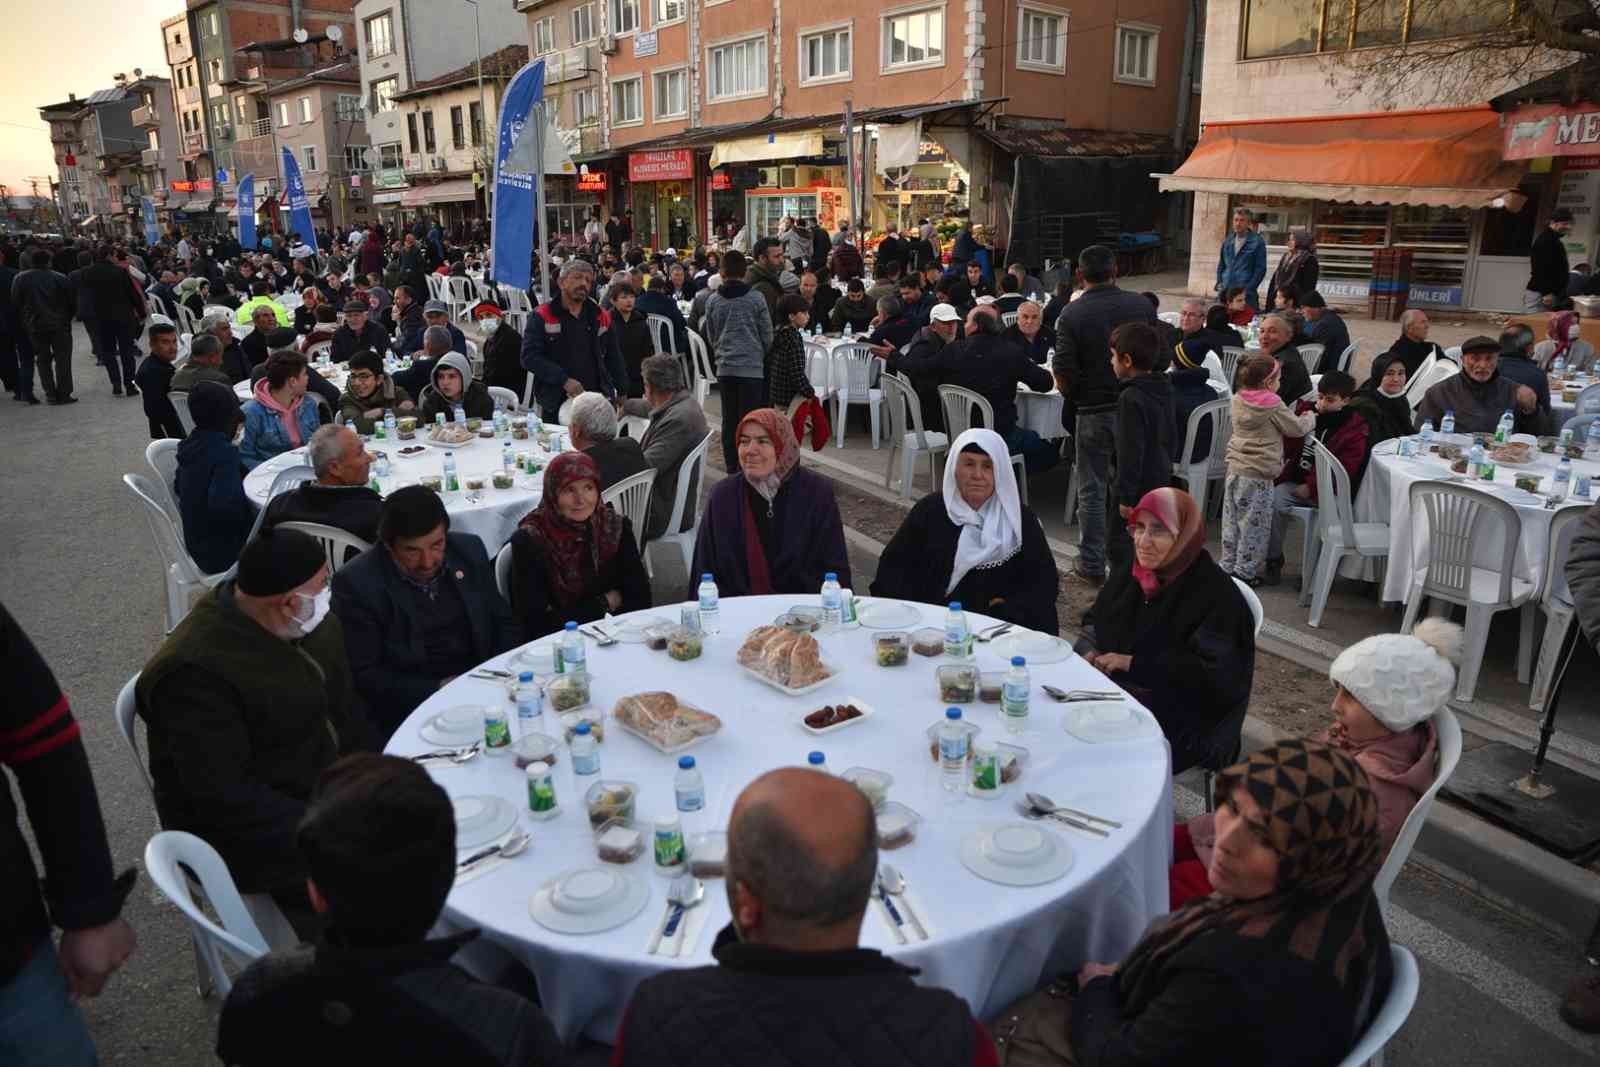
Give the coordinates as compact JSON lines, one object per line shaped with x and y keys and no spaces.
{"x":1561,"y":146}
{"x":661,"y":194}
{"x":570,"y":200}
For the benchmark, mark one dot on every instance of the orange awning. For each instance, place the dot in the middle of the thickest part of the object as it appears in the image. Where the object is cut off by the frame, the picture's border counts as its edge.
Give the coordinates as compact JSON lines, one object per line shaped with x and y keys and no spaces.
{"x":1445,"y":158}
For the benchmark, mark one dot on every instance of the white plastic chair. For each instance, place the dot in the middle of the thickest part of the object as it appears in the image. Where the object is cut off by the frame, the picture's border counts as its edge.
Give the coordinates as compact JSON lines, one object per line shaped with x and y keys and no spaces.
{"x":517,"y":307}
{"x":819,"y":358}
{"x":126,"y":710}
{"x":336,"y":543}
{"x":1458,"y":517}
{"x":180,"y":404}
{"x":1306,"y":516}
{"x":631,"y":499}
{"x":475,"y":358}
{"x":502,"y":571}
{"x":906,"y":435}
{"x":238,"y":937}
{"x":221,"y":309}
{"x":957,"y":404}
{"x":187,"y":322}
{"x":318,"y":349}
{"x":1338,"y":533}
{"x":1430,"y":372}
{"x":527,"y":392}
{"x":183,"y":576}
{"x":1348,"y":355}
{"x":661,"y":335}
{"x":1588,"y":402}
{"x":1231,"y":355}
{"x":1198,"y":474}
{"x":1311,"y":355}
{"x":1448,"y":732}
{"x":1556,"y":599}
{"x":460,"y":295}
{"x":1213,"y":365}
{"x":702,"y":377}
{"x":1008,"y":318}
{"x":505,"y":398}
{"x":162,"y":456}
{"x":1392,"y":1015}
{"x":858,"y":361}
{"x":435,"y":285}
{"x":692,"y":469}
{"x":1253,"y":602}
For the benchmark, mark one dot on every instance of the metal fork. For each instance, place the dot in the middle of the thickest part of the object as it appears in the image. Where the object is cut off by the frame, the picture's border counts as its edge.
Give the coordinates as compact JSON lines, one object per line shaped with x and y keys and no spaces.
{"x":992,"y":632}
{"x":599,"y":636}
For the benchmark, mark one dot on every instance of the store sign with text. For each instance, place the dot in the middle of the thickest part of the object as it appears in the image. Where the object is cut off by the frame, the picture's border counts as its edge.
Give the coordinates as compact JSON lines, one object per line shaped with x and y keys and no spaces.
{"x":592,"y":182}
{"x":1551,"y":130}
{"x":721,"y":180}
{"x":672,"y":165}
{"x":1445,"y":296}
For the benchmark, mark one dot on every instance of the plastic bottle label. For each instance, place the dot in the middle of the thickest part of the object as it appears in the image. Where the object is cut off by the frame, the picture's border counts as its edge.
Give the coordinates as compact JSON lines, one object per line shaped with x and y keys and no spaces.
{"x":953,"y":747}
{"x":669,"y":848}
{"x":693,"y":799}
{"x":1014,"y":700}
{"x":586,"y":762}
{"x":542,"y":793}
{"x":985,"y":773}
{"x":496,"y":731}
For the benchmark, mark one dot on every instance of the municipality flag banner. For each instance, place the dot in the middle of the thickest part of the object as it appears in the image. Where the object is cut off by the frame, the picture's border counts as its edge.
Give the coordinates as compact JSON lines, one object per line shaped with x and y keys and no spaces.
{"x":152,"y":230}
{"x":294,"y":195}
{"x":247,"y":211}
{"x":516,"y":216}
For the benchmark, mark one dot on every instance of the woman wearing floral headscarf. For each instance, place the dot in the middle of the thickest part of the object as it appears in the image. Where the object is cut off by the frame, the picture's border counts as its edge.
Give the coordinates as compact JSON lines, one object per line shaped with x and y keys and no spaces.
{"x":572,"y":557}
{"x":773,"y":527}
{"x":1174,"y":630}
{"x":1564,"y":341}
{"x":1298,"y":269}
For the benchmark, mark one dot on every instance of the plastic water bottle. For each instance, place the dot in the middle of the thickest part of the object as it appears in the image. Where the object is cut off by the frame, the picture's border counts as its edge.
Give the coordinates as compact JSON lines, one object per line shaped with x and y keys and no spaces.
{"x":1591,"y":444}
{"x":452,"y":483}
{"x":1014,"y":696}
{"x":530,"y":700}
{"x":957,"y":638}
{"x":508,"y":458}
{"x":1426,"y":434}
{"x":953,"y":744}
{"x":688,"y":787}
{"x":461,"y":413}
{"x":439,"y":419}
{"x":574,"y":651}
{"x":817,"y":762}
{"x":390,"y":428}
{"x":1448,"y":423}
{"x":709,"y":597}
{"x":585,"y":751}
{"x":1474,"y":460}
{"x":832,"y":600}
{"x":1561,"y":481}
{"x":1558,"y":367}
{"x":379,"y":430}
{"x":380,"y":466}
{"x":1503,"y":429}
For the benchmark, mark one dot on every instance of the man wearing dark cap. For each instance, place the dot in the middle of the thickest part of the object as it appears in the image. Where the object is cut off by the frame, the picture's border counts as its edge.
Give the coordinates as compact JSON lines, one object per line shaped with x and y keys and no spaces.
{"x":1547,"y":262}
{"x":1517,"y":364}
{"x":379,"y":842}
{"x":418,"y":609}
{"x":791,"y":983}
{"x":437,"y":313}
{"x":1326,"y":328}
{"x":245,"y":703}
{"x":1480,"y":394}
{"x":358,"y":332}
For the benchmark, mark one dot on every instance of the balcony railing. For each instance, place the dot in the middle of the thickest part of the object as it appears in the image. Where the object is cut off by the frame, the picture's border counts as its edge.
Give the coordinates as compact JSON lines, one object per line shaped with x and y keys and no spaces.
{"x":150,"y":157}
{"x":255,"y":128}
{"x":146,"y":118}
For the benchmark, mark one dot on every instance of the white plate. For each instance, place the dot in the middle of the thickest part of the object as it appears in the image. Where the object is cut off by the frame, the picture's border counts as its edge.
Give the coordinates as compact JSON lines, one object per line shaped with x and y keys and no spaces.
{"x":631,"y":631}
{"x":1103,"y":721}
{"x":400,"y":453}
{"x":460,"y":725}
{"x":888,"y":615}
{"x":1035,"y":647}
{"x":589,"y":900}
{"x":482,"y":819}
{"x":1016,"y":853}
{"x":862,"y":705}
{"x":833,"y":672}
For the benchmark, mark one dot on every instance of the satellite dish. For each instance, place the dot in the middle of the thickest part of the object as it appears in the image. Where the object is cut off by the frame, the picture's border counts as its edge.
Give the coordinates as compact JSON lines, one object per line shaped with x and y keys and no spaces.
{"x":335,"y":34}
{"x":300,"y":35}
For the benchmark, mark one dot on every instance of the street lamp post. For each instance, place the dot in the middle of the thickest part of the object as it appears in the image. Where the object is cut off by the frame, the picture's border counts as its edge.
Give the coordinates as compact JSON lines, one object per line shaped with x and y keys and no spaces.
{"x":483,"y":110}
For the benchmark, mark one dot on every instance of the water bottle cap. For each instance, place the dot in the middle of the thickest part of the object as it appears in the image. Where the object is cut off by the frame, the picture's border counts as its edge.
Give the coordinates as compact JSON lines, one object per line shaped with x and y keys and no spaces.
{"x":1018,"y":661}
{"x":582,"y":730}
{"x":686,"y":763}
{"x":571,"y":626}
{"x":816,"y":759}
{"x":1451,"y":412}
{"x":706,"y":577}
{"x":830,"y":577}
{"x":525,"y":677}
{"x":952,"y":713}
{"x":955,"y":605}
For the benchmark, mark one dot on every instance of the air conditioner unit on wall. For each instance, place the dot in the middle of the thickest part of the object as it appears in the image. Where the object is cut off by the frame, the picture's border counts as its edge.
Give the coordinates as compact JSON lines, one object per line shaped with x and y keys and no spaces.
{"x":786,"y":178}
{"x":608,"y":45}
{"x":439,"y":163}
{"x":769,"y":177}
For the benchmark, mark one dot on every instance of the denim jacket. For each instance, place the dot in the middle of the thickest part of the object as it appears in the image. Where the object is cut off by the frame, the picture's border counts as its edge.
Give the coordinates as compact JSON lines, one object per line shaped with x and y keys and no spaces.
{"x":264,"y":435}
{"x":1246,"y":267}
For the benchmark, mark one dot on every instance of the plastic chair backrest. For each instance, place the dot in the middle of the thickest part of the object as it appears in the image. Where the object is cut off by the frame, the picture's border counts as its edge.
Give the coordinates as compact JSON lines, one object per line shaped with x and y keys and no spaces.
{"x":169,"y":542}
{"x":1453,"y":353}
{"x":1231,"y":355}
{"x":692,"y":469}
{"x":858,"y":368}
{"x":1311,"y":354}
{"x":1348,"y":355}
{"x":1393,"y":1013}
{"x":1588,"y":402}
{"x":435,"y":285}
{"x":238,"y":933}
{"x":462,"y":289}
{"x":126,"y":711}
{"x":631,"y":499}
{"x":506,"y":398}
{"x":187,"y":323}
{"x":1334,"y":509}
{"x":1008,"y":318}
{"x":1213,"y":365}
{"x":661,"y":335}
{"x":1415,"y":387}
{"x":1457,"y":516}
{"x":221,"y":309}
{"x":1562,"y":529}
{"x":1209,"y":410}
{"x":502,"y":571}
{"x":162,"y":456}
{"x":1254,"y":603}
{"x":180,"y":404}
{"x":700,"y":361}
{"x":317,"y":349}
{"x":527,"y":391}
{"x":898,"y":397}
{"x":336,"y":542}
{"x":958,"y":404}
{"x":1448,"y":731}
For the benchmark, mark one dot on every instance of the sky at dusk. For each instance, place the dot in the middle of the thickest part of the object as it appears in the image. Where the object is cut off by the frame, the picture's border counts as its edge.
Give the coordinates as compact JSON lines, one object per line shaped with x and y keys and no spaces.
{"x":67,"y":46}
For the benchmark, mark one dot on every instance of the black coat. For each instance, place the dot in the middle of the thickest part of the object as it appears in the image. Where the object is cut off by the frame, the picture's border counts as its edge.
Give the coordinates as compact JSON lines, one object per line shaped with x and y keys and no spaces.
{"x":636,"y":345}
{"x":154,"y":378}
{"x":110,"y":289}
{"x":346,"y":342}
{"x":1547,"y":264}
{"x":1294,"y":381}
{"x":530,"y":585}
{"x":1083,"y":344}
{"x":918,"y":561}
{"x":1189,"y":391}
{"x":352,"y":508}
{"x":1144,"y":433}
{"x":988,"y":365}
{"x":618,"y":458}
{"x":1333,"y":335}
{"x":1193,"y":649}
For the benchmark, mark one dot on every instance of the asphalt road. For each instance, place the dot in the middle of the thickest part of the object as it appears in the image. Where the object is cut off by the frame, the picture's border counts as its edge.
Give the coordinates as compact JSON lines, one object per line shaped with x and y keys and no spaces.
{"x":82,"y":576}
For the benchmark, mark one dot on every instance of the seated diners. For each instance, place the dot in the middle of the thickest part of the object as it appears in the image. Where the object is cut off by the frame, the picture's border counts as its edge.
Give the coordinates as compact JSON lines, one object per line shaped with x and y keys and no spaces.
{"x":1382,"y":402}
{"x":340,"y":496}
{"x":975,"y":542}
{"x":854,"y":313}
{"x":245,"y":703}
{"x":1386,"y":690}
{"x":592,"y":426}
{"x":235,"y":363}
{"x":418,"y":609}
{"x":1480,"y":394}
{"x":1277,"y":337}
{"x":453,"y":385}
{"x":358,"y":332}
{"x":369,"y":393}
{"x":1029,"y":332}
{"x":677,"y":426}
{"x":265,"y":337}
{"x":1565,"y":342}
{"x":280,"y":415}
{"x":378,"y":842}
{"x":791,"y":982}
{"x":203,"y":365}
{"x":216,"y":514}
{"x":1174,"y":630}
{"x":775,"y":528}
{"x":574,"y":558}
{"x":1339,"y":428}
{"x":1286,"y":964}
{"x":1413,"y":346}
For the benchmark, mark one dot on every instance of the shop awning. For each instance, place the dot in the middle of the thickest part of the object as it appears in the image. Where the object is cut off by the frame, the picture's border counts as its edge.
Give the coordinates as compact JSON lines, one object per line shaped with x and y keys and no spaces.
{"x":395,"y":197}
{"x":455,"y":191}
{"x":771,"y":146}
{"x":1445,"y":158}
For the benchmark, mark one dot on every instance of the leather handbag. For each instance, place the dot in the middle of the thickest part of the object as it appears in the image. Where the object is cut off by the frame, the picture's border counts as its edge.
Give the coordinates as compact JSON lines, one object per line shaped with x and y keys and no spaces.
{"x":1036,"y":1030}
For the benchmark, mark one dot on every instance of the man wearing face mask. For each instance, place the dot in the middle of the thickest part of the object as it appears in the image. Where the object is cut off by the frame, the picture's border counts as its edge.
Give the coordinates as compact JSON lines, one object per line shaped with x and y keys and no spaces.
{"x":245,"y":703}
{"x":418,"y":608}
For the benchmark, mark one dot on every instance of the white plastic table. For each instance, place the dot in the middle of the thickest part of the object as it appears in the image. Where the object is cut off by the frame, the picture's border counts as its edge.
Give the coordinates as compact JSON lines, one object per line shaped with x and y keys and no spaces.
{"x":333,"y":373}
{"x":991,"y":943}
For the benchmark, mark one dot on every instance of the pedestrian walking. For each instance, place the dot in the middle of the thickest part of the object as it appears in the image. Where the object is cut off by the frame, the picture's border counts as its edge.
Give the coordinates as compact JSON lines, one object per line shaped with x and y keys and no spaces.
{"x":44,"y":303}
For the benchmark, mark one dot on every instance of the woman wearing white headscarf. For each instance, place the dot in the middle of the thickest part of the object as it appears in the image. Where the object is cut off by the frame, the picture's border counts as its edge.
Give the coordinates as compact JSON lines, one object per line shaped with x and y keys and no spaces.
{"x":974,"y":542}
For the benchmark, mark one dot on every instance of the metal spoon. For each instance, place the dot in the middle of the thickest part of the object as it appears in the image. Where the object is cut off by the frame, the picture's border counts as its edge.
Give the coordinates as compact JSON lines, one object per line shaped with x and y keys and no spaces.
{"x":686,"y":892}
{"x":1045,"y":804}
{"x":893,"y":884}
{"x":1028,"y":811}
{"x":455,"y":755}
{"x":992,"y":632}
{"x":599,"y":636}
{"x":1073,"y":696}
{"x":513,"y":846}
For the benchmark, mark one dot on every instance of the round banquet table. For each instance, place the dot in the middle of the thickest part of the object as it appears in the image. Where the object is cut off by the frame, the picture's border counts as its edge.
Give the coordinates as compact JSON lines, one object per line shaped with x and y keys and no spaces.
{"x":1384,"y":496}
{"x":991,"y":943}
{"x":490,"y":513}
{"x":333,"y":373}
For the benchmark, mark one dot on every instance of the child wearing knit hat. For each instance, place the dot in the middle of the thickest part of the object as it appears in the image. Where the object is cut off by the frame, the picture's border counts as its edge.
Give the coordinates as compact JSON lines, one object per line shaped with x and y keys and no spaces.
{"x":1386,"y":690}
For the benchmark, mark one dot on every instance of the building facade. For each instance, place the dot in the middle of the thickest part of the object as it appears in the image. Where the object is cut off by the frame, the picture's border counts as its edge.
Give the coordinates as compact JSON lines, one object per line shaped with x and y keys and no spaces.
{"x":320,"y":120}
{"x":109,"y":153}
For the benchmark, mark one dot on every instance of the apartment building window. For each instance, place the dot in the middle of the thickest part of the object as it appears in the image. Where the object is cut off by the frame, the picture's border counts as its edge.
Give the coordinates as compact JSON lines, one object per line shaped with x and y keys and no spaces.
{"x":668,"y":11}
{"x":354,"y":161}
{"x":380,"y":36}
{"x":583,"y":23}
{"x":347,"y":108}
{"x":389,"y":156}
{"x":240,"y":110}
{"x":544,"y":36}
{"x":214,"y":70}
{"x":585,"y":107}
{"x":475,"y":119}
{"x":155,"y":140}
{"x":913,"y":39}
{"x":825,"y":55}
{"x":1136,"y":54}
{"x":458,"y":129}
{"x":310,"y":152}
{"x":737,"y":69}
{"x":1198,"y":65}
{"x":305,"y":109}
{"x":627,"y":105}
{"x":1042,"y":40}
{"x":383,"y":92}
{"x":624,"y":16}
{"x":428,"y":144}
{"x":411,"y":132}
{"x":219,"y":115}
{"x":671,"y":91}
{"x":1294,"y":27}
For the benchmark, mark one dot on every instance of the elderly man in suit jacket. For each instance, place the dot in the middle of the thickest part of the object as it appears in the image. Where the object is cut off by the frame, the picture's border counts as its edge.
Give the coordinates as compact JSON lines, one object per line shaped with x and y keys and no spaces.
{"x":677,"y":426}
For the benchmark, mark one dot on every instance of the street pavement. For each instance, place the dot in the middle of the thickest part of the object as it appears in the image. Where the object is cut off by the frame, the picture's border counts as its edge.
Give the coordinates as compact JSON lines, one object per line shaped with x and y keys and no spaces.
{"x":83,"y":578}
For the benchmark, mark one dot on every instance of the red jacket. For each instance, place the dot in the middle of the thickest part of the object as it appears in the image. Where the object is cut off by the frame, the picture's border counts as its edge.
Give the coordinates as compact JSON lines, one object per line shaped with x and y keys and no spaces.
{"x":1344,"y":433}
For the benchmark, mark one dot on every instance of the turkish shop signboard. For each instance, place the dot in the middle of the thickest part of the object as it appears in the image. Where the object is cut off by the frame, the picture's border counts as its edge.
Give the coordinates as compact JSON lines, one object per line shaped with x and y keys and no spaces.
{"x":1551,"y":130}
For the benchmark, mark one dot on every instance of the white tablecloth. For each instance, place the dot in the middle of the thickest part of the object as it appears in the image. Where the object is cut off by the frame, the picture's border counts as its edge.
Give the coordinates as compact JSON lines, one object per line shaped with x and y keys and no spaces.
{"x":332,"y":373}
{"x":1384,"y":496}
{"x":992,"y":943}
{"x":492,"y":514}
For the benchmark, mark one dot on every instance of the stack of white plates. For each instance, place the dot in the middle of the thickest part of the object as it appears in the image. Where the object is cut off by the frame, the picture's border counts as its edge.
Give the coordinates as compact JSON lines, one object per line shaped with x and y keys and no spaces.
{"x":482,"y":819}
{"x":589,"y":900}
{"x":1015,"y":853}
{"x":1100,"y":722}
{"x":1035,"y":647}
{"x":453,"y":727}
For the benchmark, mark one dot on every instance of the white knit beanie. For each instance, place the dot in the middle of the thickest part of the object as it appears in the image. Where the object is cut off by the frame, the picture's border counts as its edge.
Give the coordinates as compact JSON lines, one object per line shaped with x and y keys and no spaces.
{"x":1402,"y":679}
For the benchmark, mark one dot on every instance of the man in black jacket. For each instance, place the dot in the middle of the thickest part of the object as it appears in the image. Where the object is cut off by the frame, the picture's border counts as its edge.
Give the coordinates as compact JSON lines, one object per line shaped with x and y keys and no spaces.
{"x":118,"y":314}
{"x":44,"y":303}
{"x":341,"y":495}
{"x":358,"y":332}
{"x":1145,"y":425}
{"x":569,"y":346}
{"x":919,"y":362}
{"x":1325,"y":327}
{"x":408,"y":322}
{"x":39,"y":743}
{"x":16,"y":351}
{"x":155,"y":376}
{"x":1082,"y":368}
{"x":992,"y":367}
{"x":418,"y":608}
{"x":1547,"y":278}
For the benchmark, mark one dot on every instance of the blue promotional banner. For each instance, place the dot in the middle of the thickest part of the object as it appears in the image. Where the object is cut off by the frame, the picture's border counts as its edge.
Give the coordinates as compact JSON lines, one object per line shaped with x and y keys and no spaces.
{"x":247,"y":211}
{"x":152,"y":230}
{"x":294,"y":194}
{"x":516,"y":215}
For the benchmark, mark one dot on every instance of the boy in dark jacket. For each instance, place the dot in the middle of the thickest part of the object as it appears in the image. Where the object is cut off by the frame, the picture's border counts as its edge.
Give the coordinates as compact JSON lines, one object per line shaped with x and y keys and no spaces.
{"x":631,"y":328}
{"x":1190,"y":380}
{"x":155,"y":382}
{"x":1343,"y":432}
{"x":1145,"y":426}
